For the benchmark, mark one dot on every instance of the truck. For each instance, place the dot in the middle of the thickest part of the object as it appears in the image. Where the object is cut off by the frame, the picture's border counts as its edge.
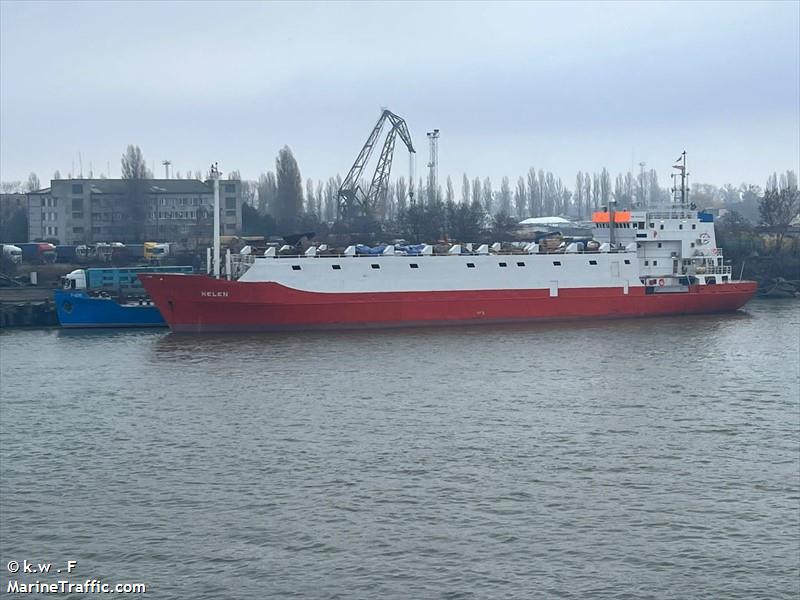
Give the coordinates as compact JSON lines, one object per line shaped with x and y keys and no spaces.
{"x":113,"y":281}
{"x":38,"y":252}
{"x":66,"y":254}
{"x":12,"y":253}
{"x":155,"y":251}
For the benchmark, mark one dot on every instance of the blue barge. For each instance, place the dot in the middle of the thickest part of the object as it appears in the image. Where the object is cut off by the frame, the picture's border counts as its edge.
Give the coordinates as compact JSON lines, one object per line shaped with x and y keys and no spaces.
{"x":109,"y":298}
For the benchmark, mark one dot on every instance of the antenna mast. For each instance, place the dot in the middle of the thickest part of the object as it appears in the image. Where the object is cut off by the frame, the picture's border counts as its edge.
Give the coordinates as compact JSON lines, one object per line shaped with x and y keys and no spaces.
{"x":166,"y":164}
{"x":433,"y":165}
{"x":680,"y":195}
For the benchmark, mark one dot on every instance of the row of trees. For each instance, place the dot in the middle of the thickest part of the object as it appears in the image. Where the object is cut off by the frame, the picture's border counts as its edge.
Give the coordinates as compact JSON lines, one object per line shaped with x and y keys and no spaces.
{"x":278,"y":202}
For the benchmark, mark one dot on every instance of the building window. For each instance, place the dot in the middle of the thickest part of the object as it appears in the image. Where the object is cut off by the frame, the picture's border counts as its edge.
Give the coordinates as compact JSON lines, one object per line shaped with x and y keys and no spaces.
{"x":77,"y":215}
{"x":230,"y":213}
{"x":77,"y":230}
{"x":77,"y":188}
{"x":77,"y":204}
{"x":230,"y":188}
{"x":230,"y":203}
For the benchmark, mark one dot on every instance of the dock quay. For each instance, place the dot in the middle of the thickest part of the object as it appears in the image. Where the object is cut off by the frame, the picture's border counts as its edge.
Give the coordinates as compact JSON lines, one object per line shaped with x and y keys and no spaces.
{"x":30,"y":306}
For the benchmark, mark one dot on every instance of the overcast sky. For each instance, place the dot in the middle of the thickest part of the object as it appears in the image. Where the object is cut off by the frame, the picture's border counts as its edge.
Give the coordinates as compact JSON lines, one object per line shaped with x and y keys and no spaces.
{"x":558,"y":86}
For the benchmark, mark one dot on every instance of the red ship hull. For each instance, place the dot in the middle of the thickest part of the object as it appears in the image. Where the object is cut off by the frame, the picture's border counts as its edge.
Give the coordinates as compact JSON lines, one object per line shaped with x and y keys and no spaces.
{"x":198,"y":303}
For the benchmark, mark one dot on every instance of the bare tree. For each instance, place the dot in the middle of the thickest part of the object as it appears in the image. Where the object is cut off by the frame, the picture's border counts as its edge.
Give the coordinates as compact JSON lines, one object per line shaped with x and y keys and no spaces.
{"x":290,"y":189}
{"x":449,"y":195}
{"x":780,"y":205}
{"x":401,"y":193}
{"x":134,"y":171}
{"x":465,"y":190}
{"x":488,"y":196}
{"x":604,"y":186}
{"x":534,"y":200}
{"x":477,"y":193}
{"x":33,"y":183}
{"x":579,"y":193}
{"x":133,"y":164}
{"x":267,"y":193}
{"x":311,"y":204}
{"x":520,"y":199}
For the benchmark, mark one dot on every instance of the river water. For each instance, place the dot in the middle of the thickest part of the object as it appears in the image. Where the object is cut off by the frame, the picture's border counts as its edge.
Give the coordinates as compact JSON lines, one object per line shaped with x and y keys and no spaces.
{"x":622,"y":459}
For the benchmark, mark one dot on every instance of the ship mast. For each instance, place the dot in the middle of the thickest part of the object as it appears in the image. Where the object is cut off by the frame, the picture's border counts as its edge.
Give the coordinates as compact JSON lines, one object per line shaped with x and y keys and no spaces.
{"x":683,"y":191}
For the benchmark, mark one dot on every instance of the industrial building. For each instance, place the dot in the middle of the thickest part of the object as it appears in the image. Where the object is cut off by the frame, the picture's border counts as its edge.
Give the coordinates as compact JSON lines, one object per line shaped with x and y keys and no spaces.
{"x":84,"y":211}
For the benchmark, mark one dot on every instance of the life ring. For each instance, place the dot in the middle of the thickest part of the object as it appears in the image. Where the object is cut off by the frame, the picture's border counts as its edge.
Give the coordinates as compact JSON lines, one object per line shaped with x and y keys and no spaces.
{"x":661,"y":282}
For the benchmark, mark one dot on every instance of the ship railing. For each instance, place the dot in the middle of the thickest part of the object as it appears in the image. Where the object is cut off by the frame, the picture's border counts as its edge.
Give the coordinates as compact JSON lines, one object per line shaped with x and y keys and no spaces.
{"x":559,"y":251}
{"x":711,"y":270}
{"x":673,"y":215}
{"x":240,"y":263}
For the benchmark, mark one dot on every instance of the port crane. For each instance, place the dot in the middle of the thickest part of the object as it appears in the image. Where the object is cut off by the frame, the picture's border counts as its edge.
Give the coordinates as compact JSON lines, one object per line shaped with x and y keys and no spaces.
{"x":352,"y":200}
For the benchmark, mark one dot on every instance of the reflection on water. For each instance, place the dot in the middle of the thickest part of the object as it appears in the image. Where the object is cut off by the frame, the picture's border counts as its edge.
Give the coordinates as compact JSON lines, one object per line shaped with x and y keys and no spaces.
{"x":574,"y":459}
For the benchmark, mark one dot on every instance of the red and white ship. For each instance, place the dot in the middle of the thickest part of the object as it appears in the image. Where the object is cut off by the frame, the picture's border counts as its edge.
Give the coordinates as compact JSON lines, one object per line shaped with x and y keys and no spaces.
{"x":649,"y":262}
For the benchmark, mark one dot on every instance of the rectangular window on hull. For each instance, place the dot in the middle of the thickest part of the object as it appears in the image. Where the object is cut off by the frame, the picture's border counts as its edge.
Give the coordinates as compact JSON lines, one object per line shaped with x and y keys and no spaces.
{"x":296,"y":267}
{"x":556,"y":263}
{"x":336,"y":267}
{"x":414,"y":266}
{"x":520,"y":264}
{"x":374,"y":266}
{"x":470,"y":265}
{"x":593,"y":262}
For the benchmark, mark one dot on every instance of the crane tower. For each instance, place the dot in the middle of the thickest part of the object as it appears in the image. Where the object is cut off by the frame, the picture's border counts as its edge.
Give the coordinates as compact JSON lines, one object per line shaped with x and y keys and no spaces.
{"x":353,"y":201}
